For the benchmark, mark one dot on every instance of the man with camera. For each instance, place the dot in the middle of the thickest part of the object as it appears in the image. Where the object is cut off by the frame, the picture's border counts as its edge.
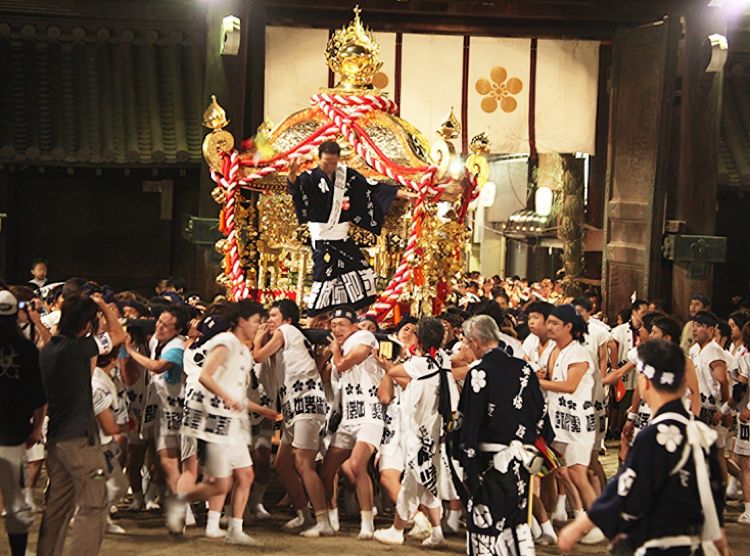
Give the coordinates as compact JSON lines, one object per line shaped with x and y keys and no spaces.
{"x":75,"y":462}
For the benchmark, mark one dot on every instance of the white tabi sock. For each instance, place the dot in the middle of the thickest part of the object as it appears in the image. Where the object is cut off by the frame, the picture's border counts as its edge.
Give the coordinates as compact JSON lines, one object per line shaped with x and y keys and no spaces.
{"x":368,"y":523}
{"x":212,"y":520}
{"x":560,"y":506}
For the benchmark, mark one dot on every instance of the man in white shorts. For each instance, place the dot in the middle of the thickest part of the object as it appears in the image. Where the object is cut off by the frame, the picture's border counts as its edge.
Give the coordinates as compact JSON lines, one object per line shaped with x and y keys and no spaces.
{"x":596,"y":341}
{"x":167,"y":347}
{"x":570,"y":395}
{"x":713,"y":378}
{"x":112,"y":418}
{"x":193,"y":359}
{"x":361,"y":429}
{"x":425,"y":480}
{"x":222,"y":425}
{"x":303,"y":406}
{"x":392,"y":457}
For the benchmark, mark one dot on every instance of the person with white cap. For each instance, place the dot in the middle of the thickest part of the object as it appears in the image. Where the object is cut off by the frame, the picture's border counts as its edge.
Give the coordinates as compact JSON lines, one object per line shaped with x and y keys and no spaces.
{"x":22,"y":409}
{"x":669,"y":497}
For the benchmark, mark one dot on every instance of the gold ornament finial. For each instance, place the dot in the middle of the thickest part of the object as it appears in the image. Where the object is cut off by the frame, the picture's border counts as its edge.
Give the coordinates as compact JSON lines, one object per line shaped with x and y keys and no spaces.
{"x":450,"y":128}
{"x":354,"y":55}
{"x":480,"y":144}
{"x":215,"y":117}
{"x":219,"y":140}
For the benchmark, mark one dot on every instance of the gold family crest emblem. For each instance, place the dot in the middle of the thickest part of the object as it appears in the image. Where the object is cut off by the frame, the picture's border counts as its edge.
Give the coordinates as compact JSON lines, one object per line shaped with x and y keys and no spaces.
{"x":499,"y":90}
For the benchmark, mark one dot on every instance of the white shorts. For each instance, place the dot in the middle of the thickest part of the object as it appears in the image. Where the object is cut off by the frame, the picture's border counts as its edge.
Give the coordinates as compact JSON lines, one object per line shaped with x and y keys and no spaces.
{"x":392,"y":458}
{"x":348,"y":435}
{"x":261,"y":435}
{"x":574,"y":454}
{"x":222,"y":459}
{"x":167,"y":442}
{"x":188,"y":447}
{"x":742,"y":440}
{"x":303,"y":434}
{"x":35,"y":453}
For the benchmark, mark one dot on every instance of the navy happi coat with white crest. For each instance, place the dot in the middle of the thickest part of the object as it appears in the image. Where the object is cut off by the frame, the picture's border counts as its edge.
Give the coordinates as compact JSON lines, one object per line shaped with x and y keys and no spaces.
{"x":341,"y":276}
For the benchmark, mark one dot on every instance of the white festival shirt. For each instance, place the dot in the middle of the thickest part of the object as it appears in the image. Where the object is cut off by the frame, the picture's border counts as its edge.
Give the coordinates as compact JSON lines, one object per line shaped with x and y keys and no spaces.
{"x":359,"y":385}
{"x":574,"y":416}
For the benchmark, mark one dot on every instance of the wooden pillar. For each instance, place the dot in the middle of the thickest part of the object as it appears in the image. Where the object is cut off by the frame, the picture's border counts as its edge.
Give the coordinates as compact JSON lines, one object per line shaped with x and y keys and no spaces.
{"x":571,"y":223}
{"x":698,"y":158}
{"x":643,"y":76}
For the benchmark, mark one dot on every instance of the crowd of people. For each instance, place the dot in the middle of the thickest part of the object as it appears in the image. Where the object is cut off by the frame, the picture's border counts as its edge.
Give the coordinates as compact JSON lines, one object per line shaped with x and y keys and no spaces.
{"x":488,"y":420}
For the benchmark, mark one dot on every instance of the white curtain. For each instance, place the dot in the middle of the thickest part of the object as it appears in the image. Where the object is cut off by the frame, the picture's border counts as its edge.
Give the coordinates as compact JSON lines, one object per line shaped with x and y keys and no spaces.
{"x":566,"y":97}
{"x":431,"y":80}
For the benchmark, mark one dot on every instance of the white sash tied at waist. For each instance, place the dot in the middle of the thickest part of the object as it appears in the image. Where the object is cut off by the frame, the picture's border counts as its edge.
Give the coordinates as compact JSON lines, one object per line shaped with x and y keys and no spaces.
{"x":322,"y":231}
{"x":665,"y":543}
{"x":505,"y":454}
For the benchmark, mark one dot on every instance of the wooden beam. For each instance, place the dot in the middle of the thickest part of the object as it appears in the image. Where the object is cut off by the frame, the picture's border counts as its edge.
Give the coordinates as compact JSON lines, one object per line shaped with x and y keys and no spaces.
{"x":615,"y":11}
{"x":438,"y":25}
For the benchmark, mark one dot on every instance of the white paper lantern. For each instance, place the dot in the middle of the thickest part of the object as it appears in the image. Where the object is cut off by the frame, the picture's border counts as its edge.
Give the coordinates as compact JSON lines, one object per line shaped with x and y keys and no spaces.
{"x":543,"y":201}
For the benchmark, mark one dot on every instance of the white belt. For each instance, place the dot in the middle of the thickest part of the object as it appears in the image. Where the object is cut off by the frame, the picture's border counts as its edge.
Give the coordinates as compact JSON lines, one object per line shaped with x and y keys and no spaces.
{"x":321,"y":231}
{"x":504,"y":455}
{"x":669,"y":542}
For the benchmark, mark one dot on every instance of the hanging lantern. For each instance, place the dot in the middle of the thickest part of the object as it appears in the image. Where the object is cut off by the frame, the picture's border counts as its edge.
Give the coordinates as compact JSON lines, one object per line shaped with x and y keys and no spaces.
{"x":543,"y":201}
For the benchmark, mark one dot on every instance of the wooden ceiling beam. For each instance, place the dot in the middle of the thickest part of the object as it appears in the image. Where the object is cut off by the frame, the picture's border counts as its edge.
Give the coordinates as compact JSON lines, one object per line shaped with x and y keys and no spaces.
{"x":614,"y":11}
{"x":417,"y":23}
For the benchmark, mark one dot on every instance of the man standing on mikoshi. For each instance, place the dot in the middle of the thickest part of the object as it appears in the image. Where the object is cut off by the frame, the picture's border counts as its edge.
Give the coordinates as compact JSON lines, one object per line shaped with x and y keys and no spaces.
{"x":328,"y":198}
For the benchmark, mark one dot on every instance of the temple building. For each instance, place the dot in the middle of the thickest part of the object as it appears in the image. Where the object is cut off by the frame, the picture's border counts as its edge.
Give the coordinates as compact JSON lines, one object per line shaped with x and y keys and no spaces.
{"x":617,"y":134}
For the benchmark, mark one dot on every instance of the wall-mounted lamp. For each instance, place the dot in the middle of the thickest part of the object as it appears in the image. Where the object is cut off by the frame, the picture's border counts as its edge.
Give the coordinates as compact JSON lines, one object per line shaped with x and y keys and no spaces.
{"x":230,"y":36}
{"x":719,"y":51}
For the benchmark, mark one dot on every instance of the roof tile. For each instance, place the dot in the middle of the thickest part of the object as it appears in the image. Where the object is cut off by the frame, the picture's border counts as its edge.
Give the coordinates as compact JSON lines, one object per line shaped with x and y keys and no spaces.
{"x":100,"y":95}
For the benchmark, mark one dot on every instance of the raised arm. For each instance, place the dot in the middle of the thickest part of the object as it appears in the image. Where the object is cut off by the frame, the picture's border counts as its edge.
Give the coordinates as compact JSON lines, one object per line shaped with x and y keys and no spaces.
{"x":346,"y":362}
{"x":156,"y":366}
{"x":111,"y":316}
{"x":261,"y":351}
